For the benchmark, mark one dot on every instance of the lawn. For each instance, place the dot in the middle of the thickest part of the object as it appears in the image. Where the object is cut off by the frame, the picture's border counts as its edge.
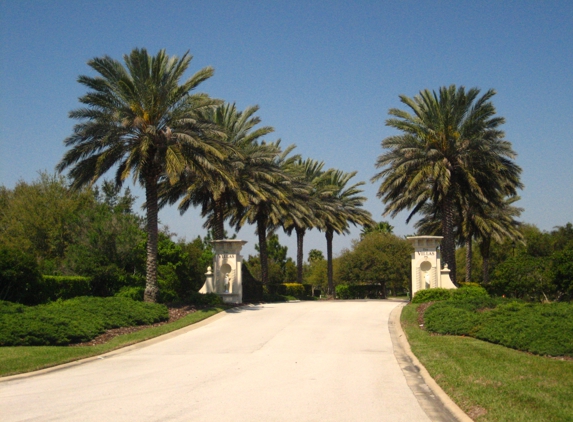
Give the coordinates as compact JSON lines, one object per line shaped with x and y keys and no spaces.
{"x":491,"y":382}
{"x":20,"y":359}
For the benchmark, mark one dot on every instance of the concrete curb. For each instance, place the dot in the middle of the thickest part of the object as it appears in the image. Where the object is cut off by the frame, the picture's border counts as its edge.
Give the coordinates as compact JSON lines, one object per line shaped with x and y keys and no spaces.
{"x":433,"y":400}
{"x":135,"y":346}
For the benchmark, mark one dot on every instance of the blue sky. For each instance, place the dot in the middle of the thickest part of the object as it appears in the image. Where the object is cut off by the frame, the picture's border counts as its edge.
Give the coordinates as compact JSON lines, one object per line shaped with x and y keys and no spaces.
{"x":324,"y":73}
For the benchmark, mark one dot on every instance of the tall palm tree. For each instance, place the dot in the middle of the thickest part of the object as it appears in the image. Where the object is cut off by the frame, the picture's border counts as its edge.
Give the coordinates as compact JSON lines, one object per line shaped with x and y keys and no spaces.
{"x":450,"y":148}
{"x":266,"y":188}
{"x":341,"y":207}
{"x":219,"y":191}
{"x":139,"y":119}
{"x":310,"y":175}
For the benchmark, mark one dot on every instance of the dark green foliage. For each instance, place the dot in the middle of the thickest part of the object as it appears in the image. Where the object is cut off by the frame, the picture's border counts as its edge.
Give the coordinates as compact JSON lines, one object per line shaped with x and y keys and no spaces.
{"x":544,"y":329}
{"x":204,"y":299}
{"x":131,"y":292}
{"x":19,"y":276}
{"x":431,"y":295}
{"x":73,"y":321}
{"x":54,"y":287}
{"x":359,"y":291}
{"x":252,"y":288}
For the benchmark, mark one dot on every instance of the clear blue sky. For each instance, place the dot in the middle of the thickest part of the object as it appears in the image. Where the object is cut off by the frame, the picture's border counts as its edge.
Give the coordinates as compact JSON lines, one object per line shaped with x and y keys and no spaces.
{"x":324,"y":73}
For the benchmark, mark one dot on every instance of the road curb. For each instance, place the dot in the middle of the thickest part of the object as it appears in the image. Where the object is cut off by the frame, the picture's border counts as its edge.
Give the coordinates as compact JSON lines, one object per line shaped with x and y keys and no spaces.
{"x":433,"y":400}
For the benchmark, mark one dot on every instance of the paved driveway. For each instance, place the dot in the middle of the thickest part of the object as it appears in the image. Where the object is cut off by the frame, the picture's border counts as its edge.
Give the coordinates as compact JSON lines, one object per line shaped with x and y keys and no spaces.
{"x":304,"y":361}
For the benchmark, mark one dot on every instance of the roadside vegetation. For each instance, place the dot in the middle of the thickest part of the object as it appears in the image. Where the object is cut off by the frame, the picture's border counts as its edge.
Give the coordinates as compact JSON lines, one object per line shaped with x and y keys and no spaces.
{"x":16,"y":360}
{"x":491,"y":382}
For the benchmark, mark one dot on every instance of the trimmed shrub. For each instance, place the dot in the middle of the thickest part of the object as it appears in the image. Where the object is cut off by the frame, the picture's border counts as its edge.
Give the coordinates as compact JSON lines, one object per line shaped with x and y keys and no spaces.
{"x":431,"y":295}
{"x":204,"y":299}
{"x":445,"y":318}
{"x":307,"y":289}
{"x":73,"y":321}
{"x":359,"y":291}
{"x":54,"y":287}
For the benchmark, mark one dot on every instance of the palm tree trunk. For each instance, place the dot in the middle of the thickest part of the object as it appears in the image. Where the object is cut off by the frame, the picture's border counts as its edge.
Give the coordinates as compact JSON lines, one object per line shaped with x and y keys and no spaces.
{"x":329,"y":235}
{"x":218,"y":221}
{"x":151,"y":287}
{"x":448,"y":245}
{"x":262,"y":232}
{"x":469,"y":257}
{"x":299,"y":253}
{"x":484,"y":250}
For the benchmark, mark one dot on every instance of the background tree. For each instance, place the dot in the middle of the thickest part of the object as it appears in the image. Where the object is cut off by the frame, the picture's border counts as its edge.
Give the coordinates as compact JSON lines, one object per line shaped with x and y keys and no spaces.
{"x":378,"y":258}
{"x":340,"y":208}
{"x":139,"y":119}
{"x":450,"y":153}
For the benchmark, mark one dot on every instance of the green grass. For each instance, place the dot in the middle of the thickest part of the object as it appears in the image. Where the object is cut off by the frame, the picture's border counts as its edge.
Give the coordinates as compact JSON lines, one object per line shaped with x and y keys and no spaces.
{"x":16,"y":360}
{"x":491,"y":382}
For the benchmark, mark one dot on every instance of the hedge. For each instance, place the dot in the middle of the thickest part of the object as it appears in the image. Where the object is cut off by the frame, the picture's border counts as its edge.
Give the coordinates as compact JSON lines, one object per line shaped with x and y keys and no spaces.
{"x":54,"y":287}
{"x":72,"y":321}
{"x":540,"y":328}
{"x":359,"y":291}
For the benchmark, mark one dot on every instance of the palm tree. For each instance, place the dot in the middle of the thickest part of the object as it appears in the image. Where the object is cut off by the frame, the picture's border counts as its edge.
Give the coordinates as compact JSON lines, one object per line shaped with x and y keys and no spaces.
{"x":341,"y":207}
{"x":450,"y":148}
{"x":381,"y":227}
{"x":266,"y":189}
{"x":139,"y":119}
{"x":309,"y":175}
{"x":218,"y":192}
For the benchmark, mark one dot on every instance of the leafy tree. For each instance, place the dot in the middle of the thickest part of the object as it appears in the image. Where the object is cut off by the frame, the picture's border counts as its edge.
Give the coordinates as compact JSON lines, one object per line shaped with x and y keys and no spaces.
{"x":41,"y":218}
{"x":377,"y":258}
{"x":140,"y":120}
{"x":450,"y":154}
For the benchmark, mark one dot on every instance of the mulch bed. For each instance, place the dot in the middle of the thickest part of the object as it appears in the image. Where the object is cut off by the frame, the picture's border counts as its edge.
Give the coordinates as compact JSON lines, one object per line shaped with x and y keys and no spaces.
{"x":175,"y":312}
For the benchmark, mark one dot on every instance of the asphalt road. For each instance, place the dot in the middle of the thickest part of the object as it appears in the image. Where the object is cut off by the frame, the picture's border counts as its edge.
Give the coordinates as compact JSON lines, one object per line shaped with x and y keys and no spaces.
{"x":304,"y":361}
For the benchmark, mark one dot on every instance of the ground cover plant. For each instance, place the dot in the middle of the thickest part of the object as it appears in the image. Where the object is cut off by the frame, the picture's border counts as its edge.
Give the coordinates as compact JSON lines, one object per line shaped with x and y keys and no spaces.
{"x":72,"y":321}
{"x":491,"y":382}
{"x":16,"y":360}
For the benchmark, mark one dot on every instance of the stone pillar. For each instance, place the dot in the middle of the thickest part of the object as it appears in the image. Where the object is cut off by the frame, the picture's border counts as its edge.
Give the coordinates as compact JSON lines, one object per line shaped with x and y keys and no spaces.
{"x":427,"y":269}
{"x":227,"y":270}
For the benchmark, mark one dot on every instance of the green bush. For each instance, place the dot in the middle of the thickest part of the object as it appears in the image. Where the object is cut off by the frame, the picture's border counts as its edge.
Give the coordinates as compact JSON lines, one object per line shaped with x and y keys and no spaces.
{"x":204,"y":299}
{"x":360,"y":291}
{"x":19,"y":277}
{"x":468,"y":292}
{"x":293,"y":289}
{"x":443,"y":318}
{"x":343,"y":291}
{"x":307,"y":289}
{"x":431,"y":295}
{"x":543,"y":329}
{"x":72,"y":321}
